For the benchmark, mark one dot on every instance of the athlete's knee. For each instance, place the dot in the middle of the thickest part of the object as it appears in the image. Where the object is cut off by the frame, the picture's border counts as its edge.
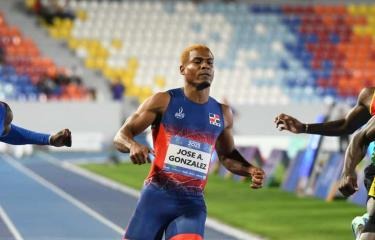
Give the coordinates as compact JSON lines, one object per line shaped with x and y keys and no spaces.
{"x":187,"y":236}
{"x":370,"y":225}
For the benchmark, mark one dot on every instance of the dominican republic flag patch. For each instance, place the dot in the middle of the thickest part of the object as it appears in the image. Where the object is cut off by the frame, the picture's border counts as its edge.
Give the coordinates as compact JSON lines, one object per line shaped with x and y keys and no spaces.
{"x":214,"y":119}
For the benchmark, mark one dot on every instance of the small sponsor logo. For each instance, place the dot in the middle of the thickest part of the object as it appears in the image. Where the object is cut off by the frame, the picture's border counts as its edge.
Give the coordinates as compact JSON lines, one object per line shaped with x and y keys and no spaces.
{"x":180,"y":114}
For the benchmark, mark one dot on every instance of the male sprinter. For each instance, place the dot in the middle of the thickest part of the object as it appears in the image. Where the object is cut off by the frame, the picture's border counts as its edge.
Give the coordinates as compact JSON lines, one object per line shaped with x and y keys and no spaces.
{"x":359,"y":115}
{"x":12,"y":134}
{"x":187,"y":126}
{"x":355,"y":152}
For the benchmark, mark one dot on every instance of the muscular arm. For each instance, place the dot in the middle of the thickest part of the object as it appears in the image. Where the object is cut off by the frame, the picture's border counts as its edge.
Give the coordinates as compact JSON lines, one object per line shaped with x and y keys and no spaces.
{"x":140,"y":120}
{"x":355,"y":152}
{"x":356,"y":118}
{"x":358,"y":147}
{"x":230,"y":157}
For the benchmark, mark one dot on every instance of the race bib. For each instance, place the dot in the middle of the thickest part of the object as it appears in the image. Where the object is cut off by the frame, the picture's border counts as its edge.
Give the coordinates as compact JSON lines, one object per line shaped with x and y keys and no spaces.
{"x":371,"y":192}
{"x":188,"y":157}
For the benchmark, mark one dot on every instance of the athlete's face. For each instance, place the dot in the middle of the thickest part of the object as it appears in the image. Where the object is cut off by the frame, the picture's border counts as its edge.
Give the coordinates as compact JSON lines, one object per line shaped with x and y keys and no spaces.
{"x":199,"y":69}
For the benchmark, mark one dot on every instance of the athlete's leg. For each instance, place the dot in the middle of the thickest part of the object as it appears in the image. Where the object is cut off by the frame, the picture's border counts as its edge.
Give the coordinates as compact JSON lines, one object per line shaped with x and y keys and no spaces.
{"x":368,"y":232}
{"x":189,"y":225}
{"x":358,"y":224}
{"x":151,"y":216}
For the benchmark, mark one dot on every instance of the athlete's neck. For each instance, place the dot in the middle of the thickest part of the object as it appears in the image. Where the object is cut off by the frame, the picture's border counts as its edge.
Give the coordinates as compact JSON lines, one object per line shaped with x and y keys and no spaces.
{"x":197,"y":96}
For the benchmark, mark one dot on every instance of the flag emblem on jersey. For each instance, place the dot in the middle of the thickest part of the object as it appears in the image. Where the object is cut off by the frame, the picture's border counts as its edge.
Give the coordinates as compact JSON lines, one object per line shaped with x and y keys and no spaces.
{"x":214,"y":119}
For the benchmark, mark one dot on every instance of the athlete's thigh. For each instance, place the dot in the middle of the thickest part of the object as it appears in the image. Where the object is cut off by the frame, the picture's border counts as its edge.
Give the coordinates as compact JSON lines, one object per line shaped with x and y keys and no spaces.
{"x":187,"y":226}
{"x":150,"y":217}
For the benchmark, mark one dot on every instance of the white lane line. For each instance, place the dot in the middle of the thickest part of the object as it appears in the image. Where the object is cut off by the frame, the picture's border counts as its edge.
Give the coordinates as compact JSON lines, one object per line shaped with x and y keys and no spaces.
{"x":13,"y":230}
{"x":90,"y":175}
{"x":64,"y":195}
{"x":210,"y":222}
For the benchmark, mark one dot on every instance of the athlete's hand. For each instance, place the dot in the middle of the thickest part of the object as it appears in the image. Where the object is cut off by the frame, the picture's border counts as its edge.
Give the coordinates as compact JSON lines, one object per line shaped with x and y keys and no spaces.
{"x":286,"y":122}
{"x":139,"y":154}
{"x":348,"y":184}
{"x":257,"y":177}
{"x":62,"y":138}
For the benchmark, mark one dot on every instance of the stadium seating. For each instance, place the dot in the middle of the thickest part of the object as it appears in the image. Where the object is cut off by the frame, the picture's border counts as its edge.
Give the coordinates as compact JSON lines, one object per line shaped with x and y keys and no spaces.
{"x":264,"y":54}
{"x":23,"y":70}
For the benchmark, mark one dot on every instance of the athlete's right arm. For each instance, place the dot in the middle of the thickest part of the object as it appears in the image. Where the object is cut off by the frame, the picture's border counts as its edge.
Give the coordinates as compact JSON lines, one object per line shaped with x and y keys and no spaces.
{"x":355,"y":152}
{"x":356,"y":118}
{"x":145,"y":115}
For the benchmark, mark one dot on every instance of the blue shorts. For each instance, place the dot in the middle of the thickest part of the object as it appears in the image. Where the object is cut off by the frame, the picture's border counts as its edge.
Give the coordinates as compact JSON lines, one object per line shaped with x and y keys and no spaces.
{"x":176,"y":214}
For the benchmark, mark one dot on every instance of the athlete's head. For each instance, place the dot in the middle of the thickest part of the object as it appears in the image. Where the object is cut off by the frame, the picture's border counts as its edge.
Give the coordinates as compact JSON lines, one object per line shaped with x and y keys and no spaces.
{"x":6,"y":118}
{"x":197,"y":66}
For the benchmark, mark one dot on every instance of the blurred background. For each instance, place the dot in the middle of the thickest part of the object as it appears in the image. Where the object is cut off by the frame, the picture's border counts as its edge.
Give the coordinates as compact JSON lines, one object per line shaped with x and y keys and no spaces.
{"x":87,"y":64}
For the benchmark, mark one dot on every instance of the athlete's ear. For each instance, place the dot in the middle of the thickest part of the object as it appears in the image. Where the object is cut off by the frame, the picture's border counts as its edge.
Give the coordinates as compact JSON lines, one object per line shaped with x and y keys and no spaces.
{"x":182,"y":69}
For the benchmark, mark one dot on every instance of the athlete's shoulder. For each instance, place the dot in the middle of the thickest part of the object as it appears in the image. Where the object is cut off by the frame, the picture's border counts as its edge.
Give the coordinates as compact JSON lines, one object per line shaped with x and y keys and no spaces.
{"x":225,"y":107}
{"x":367,"y":90}
{"x":157,"y":102}
{"x":366,"y":94}
{"x":161,"y":96}
{"x":227,"y":114}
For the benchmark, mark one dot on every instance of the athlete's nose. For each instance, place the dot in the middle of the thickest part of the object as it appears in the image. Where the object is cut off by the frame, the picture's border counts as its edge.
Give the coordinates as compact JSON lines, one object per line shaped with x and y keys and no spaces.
{"x":205,"y":65}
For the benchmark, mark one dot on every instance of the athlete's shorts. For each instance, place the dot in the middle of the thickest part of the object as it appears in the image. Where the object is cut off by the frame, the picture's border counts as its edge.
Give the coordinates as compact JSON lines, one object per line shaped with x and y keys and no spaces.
{"x":370,"y":180}
{"x":178,"y":215}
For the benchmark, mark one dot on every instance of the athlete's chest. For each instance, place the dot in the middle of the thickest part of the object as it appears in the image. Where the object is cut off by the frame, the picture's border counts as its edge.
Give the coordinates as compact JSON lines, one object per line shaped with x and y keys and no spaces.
{"x":205,"y":117}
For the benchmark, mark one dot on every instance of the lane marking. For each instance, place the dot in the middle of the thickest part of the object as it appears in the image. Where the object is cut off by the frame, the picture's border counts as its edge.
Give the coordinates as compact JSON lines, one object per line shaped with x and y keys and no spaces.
{"x":210,"y":222}
{"x":13,"y":230}
{"x":64,"y":195}
{"x":90,"y":175}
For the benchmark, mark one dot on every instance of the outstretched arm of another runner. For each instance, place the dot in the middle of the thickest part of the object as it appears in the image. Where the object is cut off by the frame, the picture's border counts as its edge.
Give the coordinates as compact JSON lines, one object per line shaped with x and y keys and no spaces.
{"x":357,"y":117}
{"x":21,"y":136}
{"x":145,"y":115}
{"x":12,"y":134}
{"x":355,"y":152}
{"x":230,"y":156}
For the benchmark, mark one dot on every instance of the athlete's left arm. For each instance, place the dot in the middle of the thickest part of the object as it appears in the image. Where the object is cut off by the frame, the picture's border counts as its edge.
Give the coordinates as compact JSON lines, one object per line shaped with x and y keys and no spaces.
{"x":230,"y":157}
{"x":20,"y":136}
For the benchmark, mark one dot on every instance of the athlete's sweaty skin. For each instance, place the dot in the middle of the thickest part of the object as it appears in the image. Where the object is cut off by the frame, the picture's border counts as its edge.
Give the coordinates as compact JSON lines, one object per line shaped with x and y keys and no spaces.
{"x":197,"y":70}
{"x":358,"y":116}
{"x":176,"y":164}
{"x":355,"y":152}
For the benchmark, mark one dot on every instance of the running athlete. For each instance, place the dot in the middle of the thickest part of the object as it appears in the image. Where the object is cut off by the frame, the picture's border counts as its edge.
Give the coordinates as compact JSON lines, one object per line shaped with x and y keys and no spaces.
{"x":358,"y":116}
{"x":187,"y":126}
{"x":355,"y":152}
{"x":12,"y":134}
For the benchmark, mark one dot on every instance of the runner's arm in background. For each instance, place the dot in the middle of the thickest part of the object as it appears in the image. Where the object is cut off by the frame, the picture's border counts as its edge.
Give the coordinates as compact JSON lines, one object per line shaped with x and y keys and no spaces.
{"x":21,"y":136}
{"x":12,"y":134}
{"x":356,"y":118}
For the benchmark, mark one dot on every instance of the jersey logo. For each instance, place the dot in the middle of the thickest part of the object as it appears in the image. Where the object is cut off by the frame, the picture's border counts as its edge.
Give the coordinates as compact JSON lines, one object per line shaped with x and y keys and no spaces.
{"x":214,"y":119}
{"x":180,"y":114}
